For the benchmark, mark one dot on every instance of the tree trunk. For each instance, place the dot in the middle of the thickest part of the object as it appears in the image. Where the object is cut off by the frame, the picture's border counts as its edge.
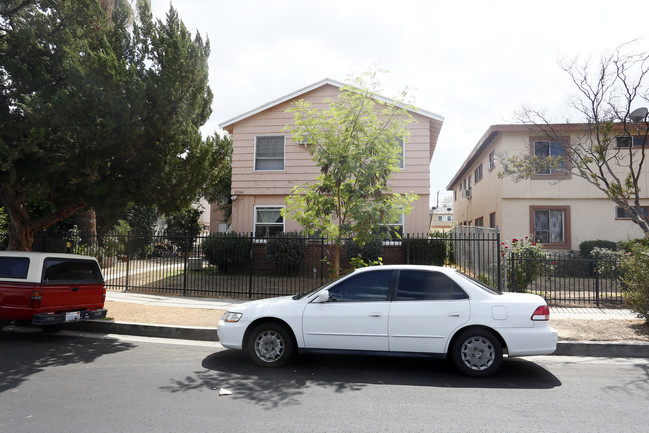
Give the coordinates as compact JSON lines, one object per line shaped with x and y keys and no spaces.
{"x":336,"y":270}
{"x":19,"y":231}
{"x":21,"y":227}
{"x":86,"y":221}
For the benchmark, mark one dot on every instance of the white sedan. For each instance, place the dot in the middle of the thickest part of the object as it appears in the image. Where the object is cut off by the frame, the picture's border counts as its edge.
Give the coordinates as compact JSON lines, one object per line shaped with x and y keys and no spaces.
{"x":400,"y":309}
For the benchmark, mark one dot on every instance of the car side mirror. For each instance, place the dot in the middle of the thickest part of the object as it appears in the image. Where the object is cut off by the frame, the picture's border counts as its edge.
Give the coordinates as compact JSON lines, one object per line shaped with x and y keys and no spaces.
{"x":322,"y":297}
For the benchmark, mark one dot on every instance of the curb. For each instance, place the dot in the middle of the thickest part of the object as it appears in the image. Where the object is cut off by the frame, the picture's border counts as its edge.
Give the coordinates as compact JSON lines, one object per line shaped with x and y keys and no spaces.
{"x":143,"y":330}
{"x":605,"y":349}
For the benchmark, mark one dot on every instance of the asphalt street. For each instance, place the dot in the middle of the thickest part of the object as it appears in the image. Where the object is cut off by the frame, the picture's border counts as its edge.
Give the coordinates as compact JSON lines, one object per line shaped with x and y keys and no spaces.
{"x":71,"y":382}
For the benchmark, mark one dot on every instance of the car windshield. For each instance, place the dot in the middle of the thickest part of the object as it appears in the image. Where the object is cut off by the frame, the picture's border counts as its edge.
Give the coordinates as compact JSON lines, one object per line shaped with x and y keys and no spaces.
{"x":317,"y":289}
{"x":479,"y":284}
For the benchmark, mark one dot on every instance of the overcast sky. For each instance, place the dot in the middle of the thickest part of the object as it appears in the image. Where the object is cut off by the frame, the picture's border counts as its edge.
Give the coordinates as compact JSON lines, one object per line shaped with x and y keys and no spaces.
{"x":473,"y":62}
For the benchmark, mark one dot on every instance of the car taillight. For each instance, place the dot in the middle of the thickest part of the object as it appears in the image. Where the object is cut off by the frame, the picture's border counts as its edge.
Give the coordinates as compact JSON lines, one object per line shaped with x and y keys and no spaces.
{"x":103,"y":296}
{"x":37,"y":297}
{"x":541,"y":313}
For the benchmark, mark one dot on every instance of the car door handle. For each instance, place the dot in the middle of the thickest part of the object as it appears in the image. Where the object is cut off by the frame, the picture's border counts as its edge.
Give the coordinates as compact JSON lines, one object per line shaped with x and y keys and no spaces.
{"x":375,"y":315}
{"x":455,"y":315}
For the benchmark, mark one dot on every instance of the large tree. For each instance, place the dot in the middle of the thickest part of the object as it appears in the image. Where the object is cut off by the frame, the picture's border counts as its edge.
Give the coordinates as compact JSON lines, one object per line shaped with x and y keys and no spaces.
{"x":98,"y":112}
{"x":611,"y":148}
{"x":356,"y":143}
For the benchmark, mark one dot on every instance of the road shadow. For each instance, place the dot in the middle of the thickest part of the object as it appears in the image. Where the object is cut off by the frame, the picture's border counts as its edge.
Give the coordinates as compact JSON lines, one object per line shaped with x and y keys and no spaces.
{"x":26,"y":351}
{"x":272,"y":387}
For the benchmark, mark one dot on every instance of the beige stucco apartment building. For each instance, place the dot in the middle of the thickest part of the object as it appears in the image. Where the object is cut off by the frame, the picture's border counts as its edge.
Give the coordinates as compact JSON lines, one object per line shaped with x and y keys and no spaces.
{"x":267,"y":163}
{"x":559,"y":209}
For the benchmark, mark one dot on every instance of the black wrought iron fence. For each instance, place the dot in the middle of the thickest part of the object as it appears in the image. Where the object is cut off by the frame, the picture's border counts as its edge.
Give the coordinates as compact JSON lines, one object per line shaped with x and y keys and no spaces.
{"x":242,"y":266}
{"x":566,"y":279}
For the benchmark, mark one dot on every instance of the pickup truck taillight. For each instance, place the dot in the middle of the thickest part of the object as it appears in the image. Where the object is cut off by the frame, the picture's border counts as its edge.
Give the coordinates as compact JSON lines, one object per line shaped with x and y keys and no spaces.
{"x":103,"y":296}
{"x":37,"y":297}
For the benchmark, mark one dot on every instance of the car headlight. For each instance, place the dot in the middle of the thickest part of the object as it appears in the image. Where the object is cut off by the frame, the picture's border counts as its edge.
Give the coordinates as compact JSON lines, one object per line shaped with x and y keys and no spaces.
{"x":232,"y":317}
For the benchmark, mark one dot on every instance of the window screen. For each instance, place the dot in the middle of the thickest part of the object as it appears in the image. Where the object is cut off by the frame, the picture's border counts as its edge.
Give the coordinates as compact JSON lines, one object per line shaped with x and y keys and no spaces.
{"x":269,"y":153}
{"x":14,"y":267}
{"x":427,"y":286}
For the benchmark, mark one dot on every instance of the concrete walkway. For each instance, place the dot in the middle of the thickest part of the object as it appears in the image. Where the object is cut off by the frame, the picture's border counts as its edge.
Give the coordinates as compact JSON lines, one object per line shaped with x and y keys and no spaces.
{"x":579,"y":348}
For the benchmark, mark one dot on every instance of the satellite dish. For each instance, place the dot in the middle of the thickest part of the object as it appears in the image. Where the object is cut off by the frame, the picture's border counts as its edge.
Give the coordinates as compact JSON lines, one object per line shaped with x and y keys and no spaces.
{"x":639,"y":114}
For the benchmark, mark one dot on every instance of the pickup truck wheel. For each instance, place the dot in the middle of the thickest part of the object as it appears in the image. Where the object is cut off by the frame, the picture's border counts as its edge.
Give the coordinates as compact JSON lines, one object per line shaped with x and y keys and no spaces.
{"x":270,"y":345}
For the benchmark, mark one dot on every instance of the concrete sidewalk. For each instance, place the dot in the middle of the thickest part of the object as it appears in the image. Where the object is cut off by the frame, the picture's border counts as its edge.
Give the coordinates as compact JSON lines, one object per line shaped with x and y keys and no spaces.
{"x":579,"y":348}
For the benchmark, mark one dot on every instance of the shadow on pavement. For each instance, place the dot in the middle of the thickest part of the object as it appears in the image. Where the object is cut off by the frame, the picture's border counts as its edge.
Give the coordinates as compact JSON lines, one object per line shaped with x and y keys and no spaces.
{"x":273,"y":387}
{"x":26,"y":351}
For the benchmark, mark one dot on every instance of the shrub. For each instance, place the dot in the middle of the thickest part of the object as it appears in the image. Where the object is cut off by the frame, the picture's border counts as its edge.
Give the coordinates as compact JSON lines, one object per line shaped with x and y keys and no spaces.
{"x":525,"y":260}
{"x":286,"y":251}
{"x":635,"y":279}
{"x":628,"y":245}
{"x":369,"y":252}
{"x":228,"y":251}
{"x":424,"y":251}
{"x":586,"y":247}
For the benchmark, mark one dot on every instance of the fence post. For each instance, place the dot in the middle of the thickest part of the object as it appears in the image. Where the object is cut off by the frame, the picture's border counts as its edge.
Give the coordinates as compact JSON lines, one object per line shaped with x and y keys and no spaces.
{"x":407,"y":248}
{"x":596,"y":271}
{"x":128,"y":259}
{"x":498,"y":259}
{"x":185,"y":260}
{"x":252,"y":255}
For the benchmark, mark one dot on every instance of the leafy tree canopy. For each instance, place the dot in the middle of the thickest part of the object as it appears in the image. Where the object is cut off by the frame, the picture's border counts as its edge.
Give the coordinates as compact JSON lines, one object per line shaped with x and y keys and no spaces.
{"x":98,"y":112}
{"x":356,"y":143}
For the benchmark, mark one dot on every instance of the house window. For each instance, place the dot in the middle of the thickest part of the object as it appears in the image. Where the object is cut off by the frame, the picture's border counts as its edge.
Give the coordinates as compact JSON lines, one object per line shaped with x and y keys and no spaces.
{"x":623,"y":214}
{"x":269,"y":153}
{"x":477,"y":173}
{"x":551,"y":226}
{"x":393,"y":231}
{"x":479,"y":222}
{"x":492,"y":220}
{"x":546,"y":149}
{"x":268,"y":221}
{"x":492,"y":160}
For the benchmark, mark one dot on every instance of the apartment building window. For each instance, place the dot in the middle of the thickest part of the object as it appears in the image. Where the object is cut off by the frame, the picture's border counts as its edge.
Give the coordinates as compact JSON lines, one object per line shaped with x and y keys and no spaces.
{"x":402,"y":154}
{"x":544,"y":148}
{"x":477,"y":173}
{"x":269,"y":153}
{"x":630,"y":141}
{"x":479,"y":222}
{"x":551,"y":226}
{"x":623,"y":214}
{"x":492,"y":220}
{"x":492,"y":160}
{"x":268,"y":221}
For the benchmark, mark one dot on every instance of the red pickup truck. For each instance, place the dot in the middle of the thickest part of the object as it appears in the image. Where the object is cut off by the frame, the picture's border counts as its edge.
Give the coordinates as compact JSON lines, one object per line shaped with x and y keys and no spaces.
{"x":50,"y":289}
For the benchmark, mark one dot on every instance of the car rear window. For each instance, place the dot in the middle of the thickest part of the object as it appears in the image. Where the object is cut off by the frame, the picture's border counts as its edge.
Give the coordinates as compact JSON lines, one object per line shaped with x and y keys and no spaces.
{"x":71,"y":271}
{"x":14,"y":267}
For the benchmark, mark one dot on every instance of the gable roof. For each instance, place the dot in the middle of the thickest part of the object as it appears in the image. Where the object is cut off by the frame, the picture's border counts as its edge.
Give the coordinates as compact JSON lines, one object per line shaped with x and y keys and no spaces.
{"x":326,"y":81}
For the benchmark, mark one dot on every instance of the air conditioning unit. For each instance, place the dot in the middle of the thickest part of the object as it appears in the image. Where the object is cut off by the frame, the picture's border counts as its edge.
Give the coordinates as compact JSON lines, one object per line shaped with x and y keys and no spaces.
{"x":466,"y":193}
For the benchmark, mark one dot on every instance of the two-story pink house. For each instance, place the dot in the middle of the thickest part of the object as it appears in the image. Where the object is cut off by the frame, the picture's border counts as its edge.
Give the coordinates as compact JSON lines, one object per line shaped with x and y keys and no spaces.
{"x":267,"y":163}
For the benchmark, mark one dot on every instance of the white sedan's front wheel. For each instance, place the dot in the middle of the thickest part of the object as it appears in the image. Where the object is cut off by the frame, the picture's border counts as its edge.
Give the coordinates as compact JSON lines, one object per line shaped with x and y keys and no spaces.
{"x":270,"y":345}
{"x":477,"y":352}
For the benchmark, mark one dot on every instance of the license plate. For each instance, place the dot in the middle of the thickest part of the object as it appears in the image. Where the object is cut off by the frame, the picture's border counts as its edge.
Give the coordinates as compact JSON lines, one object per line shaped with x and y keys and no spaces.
{"x":71,"y":317}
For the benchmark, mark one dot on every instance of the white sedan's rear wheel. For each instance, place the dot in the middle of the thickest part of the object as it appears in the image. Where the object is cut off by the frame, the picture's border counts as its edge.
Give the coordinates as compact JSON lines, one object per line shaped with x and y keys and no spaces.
{"x":477,"y":352}
{"x":270,"y":345}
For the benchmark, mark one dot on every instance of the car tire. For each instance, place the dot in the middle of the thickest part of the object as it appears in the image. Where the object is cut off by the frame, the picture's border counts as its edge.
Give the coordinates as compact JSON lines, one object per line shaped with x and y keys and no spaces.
{"x":477,"y":353}
{"x":270,"y":345}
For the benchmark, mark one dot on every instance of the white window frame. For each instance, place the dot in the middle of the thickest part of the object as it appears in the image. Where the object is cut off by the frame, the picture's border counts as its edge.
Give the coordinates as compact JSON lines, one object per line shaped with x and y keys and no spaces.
{"x":273,"y":207}
{"x":402,"y":141}
{"x":257,"y":137}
